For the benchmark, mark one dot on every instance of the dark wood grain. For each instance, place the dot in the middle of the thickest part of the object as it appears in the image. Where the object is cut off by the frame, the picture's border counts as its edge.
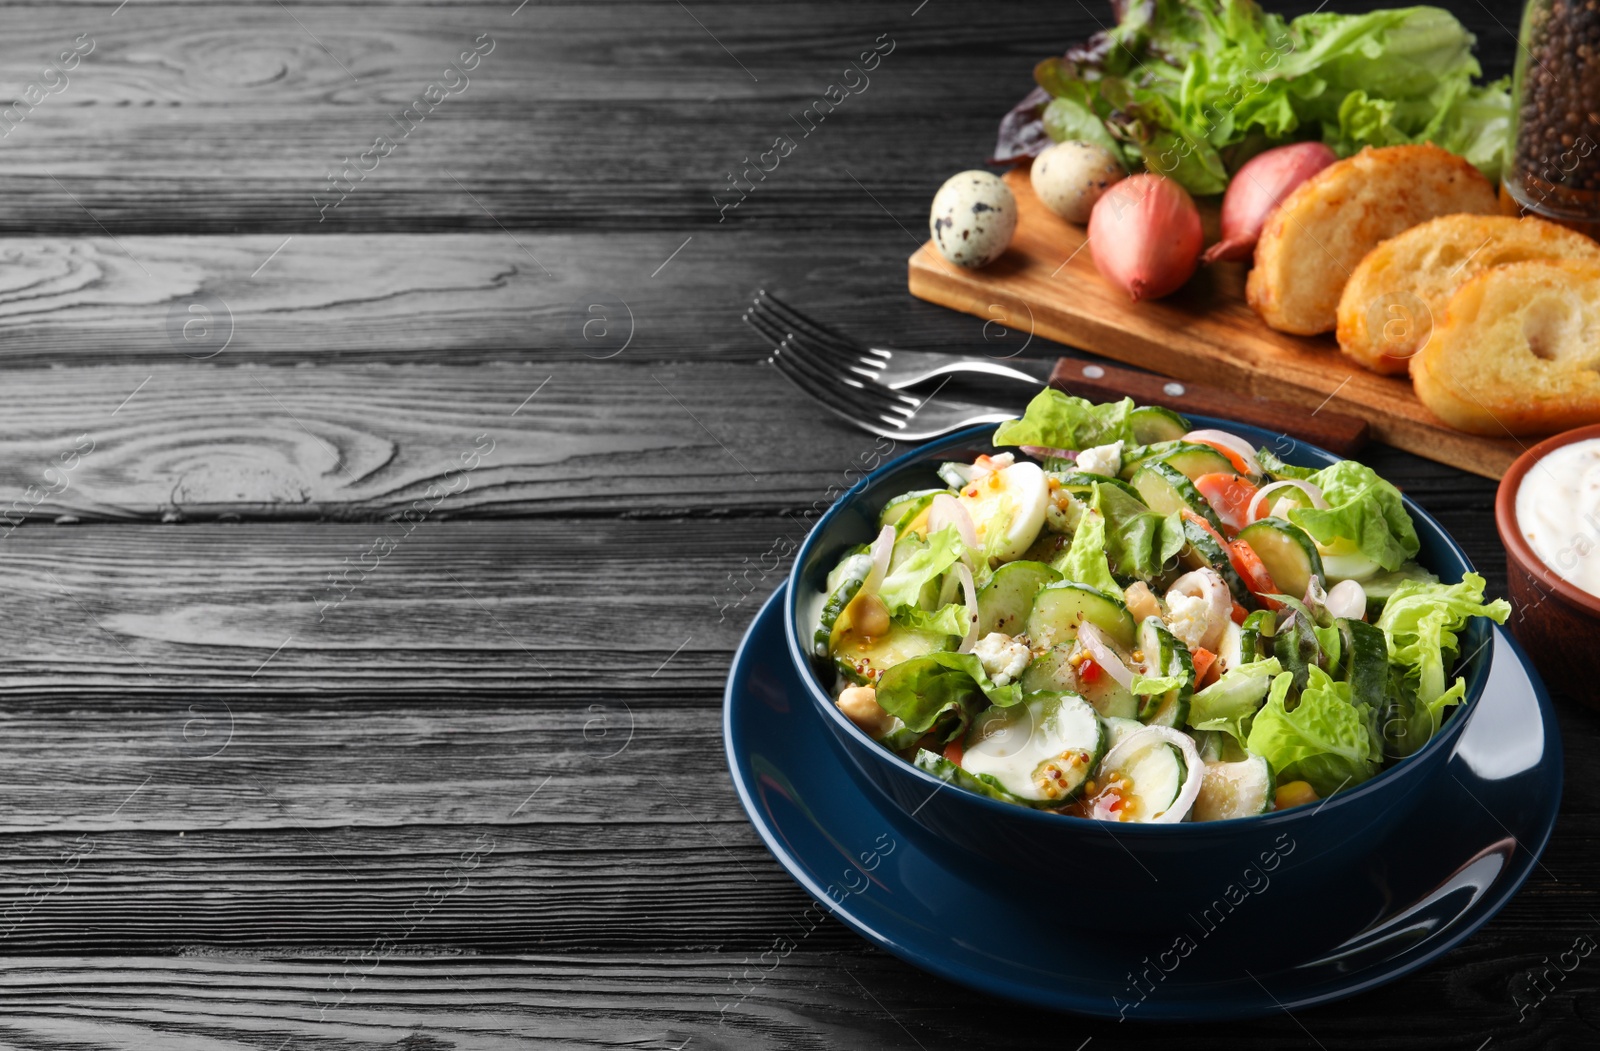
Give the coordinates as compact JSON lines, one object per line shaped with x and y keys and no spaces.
{"x":252,"y":792}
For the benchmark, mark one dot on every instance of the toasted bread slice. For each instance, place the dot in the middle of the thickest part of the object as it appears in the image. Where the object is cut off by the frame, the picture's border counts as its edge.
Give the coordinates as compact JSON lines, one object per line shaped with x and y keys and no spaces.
{"x":1389,"y":305}
{"x":1312,"y":242}
{"x":1517,"y":350}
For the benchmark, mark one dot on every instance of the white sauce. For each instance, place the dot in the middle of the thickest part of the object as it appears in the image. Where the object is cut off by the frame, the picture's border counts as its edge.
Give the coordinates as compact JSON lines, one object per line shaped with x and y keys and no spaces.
{"x":1558,"y":511}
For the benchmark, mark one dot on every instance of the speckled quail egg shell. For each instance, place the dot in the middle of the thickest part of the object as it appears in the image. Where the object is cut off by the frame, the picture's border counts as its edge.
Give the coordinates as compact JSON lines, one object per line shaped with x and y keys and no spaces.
{"x":973,"y":218}
{"x":1070,"y":177}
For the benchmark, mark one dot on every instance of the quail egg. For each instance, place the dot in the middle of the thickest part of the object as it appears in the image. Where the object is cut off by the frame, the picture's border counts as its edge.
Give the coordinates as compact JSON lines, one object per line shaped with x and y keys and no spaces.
{"x":1070,"y":177}
{"x":973,"y":218}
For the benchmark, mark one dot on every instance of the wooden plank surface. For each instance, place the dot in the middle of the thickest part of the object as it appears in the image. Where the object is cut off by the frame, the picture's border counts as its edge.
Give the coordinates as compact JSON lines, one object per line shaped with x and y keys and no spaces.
{"x":265,"y":788}
{"x":1203,"y":332}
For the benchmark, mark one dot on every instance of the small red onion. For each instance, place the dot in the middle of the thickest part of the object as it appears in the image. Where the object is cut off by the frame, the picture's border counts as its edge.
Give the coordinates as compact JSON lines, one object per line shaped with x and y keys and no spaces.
{"x":1145,"y":236}
{"x":1259,"y":187}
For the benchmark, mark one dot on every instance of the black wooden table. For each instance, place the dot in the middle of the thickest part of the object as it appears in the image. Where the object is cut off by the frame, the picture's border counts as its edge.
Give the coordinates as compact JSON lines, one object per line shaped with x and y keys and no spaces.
{"x":395,"y":478}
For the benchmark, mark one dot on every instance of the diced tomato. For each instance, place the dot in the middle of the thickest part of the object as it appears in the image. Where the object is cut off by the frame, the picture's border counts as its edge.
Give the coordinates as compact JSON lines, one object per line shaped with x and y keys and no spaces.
{"x":956,"y":751}
{"x":1229,"y":496}
{"x":1190,"y":516}
{"x":1233,"y":457}
{"x":1239,"y":613}
{"x":1255,"y":575}
{"x":1089,"y":671}
{"x":1204,"y":662}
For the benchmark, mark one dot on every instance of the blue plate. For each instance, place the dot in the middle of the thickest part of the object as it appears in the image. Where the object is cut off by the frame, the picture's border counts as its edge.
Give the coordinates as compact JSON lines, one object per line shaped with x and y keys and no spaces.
{"x":1424,"y":886}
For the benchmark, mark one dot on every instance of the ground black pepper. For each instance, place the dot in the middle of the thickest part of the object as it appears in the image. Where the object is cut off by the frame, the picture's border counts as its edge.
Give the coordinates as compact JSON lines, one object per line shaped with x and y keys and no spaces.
{"x":1556,"y":167}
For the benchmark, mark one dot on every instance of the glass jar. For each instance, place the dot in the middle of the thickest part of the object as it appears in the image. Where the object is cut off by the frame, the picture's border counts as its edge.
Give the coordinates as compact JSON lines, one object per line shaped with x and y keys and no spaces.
{"x":1554,"y":169}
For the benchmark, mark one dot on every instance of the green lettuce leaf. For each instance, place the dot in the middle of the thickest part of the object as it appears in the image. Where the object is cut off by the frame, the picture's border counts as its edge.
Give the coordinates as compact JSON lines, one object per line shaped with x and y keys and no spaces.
{"x":1085,"y":560}
{"x":1421,"y":622}
{"x":902,"y":586}
{"x":1194,"y":88}
{"x":1061,"y":421}
{"x":1139,"y":542}
{"x":943,"y":688}
{"x":951,"y":619}
{"x":1230,"y":703}
{"x":1323,"y":741}
{"x":1150,"y":686}
{"x":1363,"y":509}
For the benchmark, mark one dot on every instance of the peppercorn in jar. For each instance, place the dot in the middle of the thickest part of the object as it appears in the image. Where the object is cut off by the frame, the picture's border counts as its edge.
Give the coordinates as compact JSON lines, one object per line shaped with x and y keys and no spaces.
{"x":1555,"y":137}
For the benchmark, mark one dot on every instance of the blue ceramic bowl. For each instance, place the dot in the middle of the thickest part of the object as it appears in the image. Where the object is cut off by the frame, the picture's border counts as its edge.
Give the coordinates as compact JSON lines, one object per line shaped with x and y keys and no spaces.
{"x":1167,"y":871}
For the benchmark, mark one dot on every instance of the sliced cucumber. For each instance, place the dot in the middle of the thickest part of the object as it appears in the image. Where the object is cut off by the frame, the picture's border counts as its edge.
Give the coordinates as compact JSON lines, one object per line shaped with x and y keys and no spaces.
{"x":1166,"y":489}
{"x":1365,"y":664}
{"x":1005,"y":601}
{"x":864,"y":659}
{"x":1053,"y":671}
{"x":1078,"y":482}
{"x":1194,"y":460}
{"x":903,"y":511}
{"x":945,"y":770}
{"x":1059,"y":608}
{"x":1041,"y":751}
{"x":1117,"y":728}
{"x":1109,"y":697}
{"x":1202,"y":549}
{"x":955,"y":475}
{"x":1255,"y":635}
{"x":1288,"y":553}
{"x":1151,"y":778}
{"x":1230,"y":651}
{"x":843,"y":583}
{"x":1152,"y":423}
{"x":1165,"y":655}
{"x":1229,"y":790}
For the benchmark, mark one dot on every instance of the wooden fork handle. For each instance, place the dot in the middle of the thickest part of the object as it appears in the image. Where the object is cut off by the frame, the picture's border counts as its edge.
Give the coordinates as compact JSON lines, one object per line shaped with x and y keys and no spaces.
{"x":1098,"y":381}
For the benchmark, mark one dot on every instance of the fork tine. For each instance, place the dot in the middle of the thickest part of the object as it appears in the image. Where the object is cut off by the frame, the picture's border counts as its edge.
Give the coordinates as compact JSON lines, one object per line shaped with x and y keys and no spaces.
{"x":866,"y":396}
{"x":765,"y":325}
{"x":827,"y":399}
{"x":797,"y":322}
{"x":866,"y":368}
{"x":830,"y":372}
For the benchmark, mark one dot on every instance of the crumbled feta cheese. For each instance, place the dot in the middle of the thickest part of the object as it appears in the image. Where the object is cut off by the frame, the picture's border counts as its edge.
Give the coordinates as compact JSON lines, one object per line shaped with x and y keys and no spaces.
{"x":1102,"y":459}
{"x":1002,"y":656}
{"x":1188,"y":617}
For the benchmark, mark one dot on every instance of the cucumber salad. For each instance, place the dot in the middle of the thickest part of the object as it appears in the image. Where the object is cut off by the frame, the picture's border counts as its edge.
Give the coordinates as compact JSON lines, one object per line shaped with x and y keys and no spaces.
{"x":1132,"y":620}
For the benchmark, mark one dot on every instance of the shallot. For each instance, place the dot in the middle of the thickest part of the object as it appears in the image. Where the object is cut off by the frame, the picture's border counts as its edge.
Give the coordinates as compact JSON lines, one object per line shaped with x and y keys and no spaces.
{"x":1258,"y":187}
{"x":1144,"y":235}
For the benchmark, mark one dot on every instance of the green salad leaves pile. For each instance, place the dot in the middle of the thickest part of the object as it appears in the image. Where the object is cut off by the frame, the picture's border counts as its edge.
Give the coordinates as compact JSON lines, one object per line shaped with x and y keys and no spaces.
{"x":1194,"y":88}
{"x":1140,"y":629}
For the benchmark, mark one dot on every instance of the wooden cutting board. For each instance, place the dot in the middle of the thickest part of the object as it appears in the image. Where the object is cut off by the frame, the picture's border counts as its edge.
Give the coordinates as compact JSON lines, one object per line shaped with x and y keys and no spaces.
{"x":1206,"y":332}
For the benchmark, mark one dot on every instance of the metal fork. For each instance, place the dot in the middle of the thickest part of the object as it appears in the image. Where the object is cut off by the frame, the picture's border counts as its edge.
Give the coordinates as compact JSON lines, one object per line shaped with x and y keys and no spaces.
{"x":895,"y":369}
{"x":870,"y":405}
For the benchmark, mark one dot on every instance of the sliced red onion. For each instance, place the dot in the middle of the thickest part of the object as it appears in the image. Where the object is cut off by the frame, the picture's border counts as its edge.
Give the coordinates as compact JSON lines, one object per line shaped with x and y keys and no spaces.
{"x":947,"y":510}
{"x":1232,"y":442}
{"x":1104,"y":655}
{"x":882,"y":547}
{"x":1191,"y":758}
{"x":1347,"y":599}
{"x":1317,"y":499}
{"x":969,"y":592}
{"x":1044,"y":452}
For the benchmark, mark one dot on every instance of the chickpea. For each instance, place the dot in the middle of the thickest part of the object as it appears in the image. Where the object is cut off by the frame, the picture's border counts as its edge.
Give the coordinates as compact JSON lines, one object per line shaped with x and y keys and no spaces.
{"x":860,"y":705}
{"x":871,"y":616}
